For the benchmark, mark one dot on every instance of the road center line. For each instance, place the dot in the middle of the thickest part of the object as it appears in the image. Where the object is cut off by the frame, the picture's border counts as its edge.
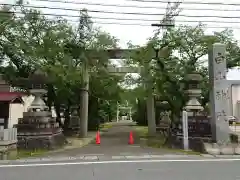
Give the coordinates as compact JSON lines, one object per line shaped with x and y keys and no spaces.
{"x":116,"y":162}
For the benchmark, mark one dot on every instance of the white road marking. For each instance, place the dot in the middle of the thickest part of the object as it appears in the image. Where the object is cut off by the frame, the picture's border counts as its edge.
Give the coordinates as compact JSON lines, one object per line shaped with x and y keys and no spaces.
{"x":134,"y":157}
{"x":93,"y":154}
{"x":90,"y":157}
{"x":118,"y":157}
{"x":178,"y":155}
{"x":117,"y":162}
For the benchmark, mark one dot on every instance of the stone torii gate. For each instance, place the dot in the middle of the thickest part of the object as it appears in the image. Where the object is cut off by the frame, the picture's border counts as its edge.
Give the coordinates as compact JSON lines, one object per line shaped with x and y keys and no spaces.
{"x":115,"y":54}
{"x":220,"y":92}
{"x":120,"y":54}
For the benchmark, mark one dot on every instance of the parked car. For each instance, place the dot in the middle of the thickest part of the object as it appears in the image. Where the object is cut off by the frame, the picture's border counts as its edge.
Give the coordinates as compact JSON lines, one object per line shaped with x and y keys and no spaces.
{"x":232,"y":119}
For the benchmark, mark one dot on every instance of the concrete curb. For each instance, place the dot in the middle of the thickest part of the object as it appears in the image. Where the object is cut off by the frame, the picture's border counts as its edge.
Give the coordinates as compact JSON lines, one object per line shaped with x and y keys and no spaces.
{"x":227,"y":156}
{"x":103,"y":158}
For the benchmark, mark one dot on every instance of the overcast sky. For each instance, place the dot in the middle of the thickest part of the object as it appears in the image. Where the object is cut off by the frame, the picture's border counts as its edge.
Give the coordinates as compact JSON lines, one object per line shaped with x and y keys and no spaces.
{"x":138,"y":34}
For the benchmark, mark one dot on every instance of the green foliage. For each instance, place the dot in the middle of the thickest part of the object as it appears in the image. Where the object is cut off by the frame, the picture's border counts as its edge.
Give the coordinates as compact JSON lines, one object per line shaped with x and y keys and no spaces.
{"x":182,"y":50}
{"x":32,"y":41}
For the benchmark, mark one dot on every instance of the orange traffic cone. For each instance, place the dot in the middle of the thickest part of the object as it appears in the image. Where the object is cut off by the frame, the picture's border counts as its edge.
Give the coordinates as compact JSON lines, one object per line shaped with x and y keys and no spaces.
{"x":130,"y":141}
{"x":98,"y":141}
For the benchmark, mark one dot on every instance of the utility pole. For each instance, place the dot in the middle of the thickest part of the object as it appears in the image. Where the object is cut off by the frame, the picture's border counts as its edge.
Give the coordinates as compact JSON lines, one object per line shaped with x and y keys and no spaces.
{"x":148,"y":86}
{"x":167,"y":21}
{"x":168,"y":18}
{"x":151,"y":112}
{"x":84,"y":101}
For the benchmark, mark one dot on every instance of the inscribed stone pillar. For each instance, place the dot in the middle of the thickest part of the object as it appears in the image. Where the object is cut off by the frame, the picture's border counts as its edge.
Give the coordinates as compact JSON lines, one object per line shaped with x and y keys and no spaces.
{"x":219,"y":93}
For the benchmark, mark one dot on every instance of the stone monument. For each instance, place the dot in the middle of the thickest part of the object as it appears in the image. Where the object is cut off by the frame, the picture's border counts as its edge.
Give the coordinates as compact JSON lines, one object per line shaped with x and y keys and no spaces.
{"x":74,"y":124}
{"x":38,"y":129}
{"x":219,"y":93}
{"x":163,"y":120}
{"x":221,"y":104}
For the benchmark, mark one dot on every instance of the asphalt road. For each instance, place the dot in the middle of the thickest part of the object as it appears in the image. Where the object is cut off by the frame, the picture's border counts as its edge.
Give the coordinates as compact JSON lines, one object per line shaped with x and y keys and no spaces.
{"x":158,"y":169}
{"x":114,"y":159}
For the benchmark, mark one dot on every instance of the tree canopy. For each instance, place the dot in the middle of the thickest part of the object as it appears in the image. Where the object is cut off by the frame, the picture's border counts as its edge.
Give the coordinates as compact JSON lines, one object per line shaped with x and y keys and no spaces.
{"x":30,"y":40}
{"x":183,"y":50}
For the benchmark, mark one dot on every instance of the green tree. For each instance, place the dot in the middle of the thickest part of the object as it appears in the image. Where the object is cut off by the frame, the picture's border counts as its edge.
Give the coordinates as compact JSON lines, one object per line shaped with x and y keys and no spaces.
{"x":182,"y":50}
{"x":32,"y":41}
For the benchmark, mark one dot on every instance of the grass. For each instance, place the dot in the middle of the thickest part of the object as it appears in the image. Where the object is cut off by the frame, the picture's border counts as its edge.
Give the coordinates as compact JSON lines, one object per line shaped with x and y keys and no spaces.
{"x":26,"y":154}
{"x":141,"y":131}
{"x":158,"y":141}
{"x":182,"y":151}
{"x":237,"y":124}
{"x":106,"y":126}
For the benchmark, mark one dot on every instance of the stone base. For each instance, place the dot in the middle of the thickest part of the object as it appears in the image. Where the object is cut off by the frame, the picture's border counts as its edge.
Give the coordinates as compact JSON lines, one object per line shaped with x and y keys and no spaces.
{"x":8,"y":150}
{"x":226,"y":149}
{"x":47,"y":142}
{"x":195,"y":143}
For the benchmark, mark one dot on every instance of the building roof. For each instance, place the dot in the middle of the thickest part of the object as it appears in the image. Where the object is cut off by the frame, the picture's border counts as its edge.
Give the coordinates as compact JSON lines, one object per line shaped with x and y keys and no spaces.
{"x":11,"y":96}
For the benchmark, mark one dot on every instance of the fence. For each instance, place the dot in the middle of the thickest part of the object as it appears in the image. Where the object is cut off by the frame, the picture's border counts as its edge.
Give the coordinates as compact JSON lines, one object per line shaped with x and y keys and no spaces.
{"x":8,"y":134}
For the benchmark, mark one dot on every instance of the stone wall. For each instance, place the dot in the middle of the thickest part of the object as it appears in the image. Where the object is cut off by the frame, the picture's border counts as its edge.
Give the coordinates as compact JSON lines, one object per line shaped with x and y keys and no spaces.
{"x":47,"y":142}
{"x":195,"y":143}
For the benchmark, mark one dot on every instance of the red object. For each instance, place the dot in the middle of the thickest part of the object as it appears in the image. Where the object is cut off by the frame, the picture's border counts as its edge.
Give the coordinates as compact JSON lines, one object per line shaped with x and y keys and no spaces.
{"x":10,"y":96}
{"x":98,"y":141}
{"x":130,"y":141}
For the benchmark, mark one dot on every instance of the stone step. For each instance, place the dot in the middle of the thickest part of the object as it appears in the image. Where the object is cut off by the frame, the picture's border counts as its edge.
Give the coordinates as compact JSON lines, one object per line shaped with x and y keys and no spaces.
{"x":227,"y":149}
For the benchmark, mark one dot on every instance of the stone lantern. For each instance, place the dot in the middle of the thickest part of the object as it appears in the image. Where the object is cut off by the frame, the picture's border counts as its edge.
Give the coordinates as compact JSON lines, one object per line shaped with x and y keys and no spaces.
{"x":163,"y":109}
{"x":38,"y":129}
{"x":193,"y":107}
{"x":193,"y":91}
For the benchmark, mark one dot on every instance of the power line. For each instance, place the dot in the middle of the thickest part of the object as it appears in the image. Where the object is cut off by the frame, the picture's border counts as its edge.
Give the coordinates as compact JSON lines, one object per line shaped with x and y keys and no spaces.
{"x":119,"y":23}
{"x":152,"y":20}
{"x":148,"y":25}
{"x":187,"y":2}
{"x":132,"y":6}
{"x":129,"y":13}
{"x":132,"y":19}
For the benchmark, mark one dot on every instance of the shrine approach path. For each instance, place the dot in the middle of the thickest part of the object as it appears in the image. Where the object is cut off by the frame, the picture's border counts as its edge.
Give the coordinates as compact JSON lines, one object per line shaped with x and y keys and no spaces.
{"x":114,"y":142}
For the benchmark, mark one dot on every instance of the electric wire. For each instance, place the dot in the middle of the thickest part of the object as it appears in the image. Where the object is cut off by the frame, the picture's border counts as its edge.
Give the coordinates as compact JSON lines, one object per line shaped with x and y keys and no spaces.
{"x":131,"y":6}
{"x":125,"y":24}
{"x":125,"y":19}
{"x":128,"y":13}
